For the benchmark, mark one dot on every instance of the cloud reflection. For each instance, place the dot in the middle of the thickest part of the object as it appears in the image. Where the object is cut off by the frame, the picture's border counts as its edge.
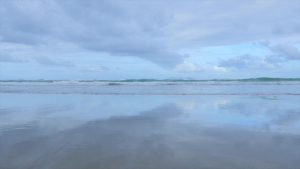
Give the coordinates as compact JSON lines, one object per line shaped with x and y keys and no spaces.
{"x":157,"y":138}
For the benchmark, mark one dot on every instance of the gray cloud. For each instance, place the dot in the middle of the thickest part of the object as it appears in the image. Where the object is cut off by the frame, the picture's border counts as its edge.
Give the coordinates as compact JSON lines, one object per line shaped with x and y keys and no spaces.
{"x":8,"y":58}
{"x":286,"y":51}
{"x":102,"y":26}
{"x":281,"y":53}
{"x":49,"y":62}
{"x":43,"y":60}
{"x":249,"y":62}
{"x":152,"y":30}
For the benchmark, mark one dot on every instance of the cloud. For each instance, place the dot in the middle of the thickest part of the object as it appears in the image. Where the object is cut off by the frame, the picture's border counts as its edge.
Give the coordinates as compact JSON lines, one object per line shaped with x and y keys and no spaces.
{"x":219,"y":69}
{"x":11,"y":53}
{"x":49,"y":62}
{"x":43,"y":60}
{"x":249,"y":62}
{"x":285,"y":51}
{"x":188,"y":67}
{"x":280,"y":53}
{"x":11,"y":59}
{"x":20,"y":53}
{"x":97,"y":68}
{"x":101,"y":26}
{"x":152,"y":30}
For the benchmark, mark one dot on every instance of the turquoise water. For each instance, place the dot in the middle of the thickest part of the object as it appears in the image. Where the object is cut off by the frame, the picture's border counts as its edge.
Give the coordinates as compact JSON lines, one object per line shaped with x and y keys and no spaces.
{"x":71,"y":126}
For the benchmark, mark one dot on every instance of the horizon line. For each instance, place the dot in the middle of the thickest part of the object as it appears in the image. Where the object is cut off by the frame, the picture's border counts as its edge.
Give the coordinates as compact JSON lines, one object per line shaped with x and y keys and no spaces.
{"x":151,"y":79}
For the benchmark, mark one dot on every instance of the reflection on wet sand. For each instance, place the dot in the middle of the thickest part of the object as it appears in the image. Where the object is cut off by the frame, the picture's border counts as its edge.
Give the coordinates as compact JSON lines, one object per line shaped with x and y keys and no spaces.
{"x":159,"y":138}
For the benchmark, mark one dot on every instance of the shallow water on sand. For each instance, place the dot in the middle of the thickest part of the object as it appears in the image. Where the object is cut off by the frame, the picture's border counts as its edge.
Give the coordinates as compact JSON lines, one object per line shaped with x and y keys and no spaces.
{"x":83,"y":131}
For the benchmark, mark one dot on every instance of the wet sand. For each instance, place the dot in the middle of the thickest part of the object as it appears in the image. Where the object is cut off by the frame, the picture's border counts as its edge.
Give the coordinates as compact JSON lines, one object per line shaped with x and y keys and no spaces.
{"x":80,"y":131}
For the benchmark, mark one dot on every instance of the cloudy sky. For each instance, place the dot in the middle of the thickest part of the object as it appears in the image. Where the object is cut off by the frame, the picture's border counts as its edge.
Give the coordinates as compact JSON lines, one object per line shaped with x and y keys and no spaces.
{"x":122,"y":39}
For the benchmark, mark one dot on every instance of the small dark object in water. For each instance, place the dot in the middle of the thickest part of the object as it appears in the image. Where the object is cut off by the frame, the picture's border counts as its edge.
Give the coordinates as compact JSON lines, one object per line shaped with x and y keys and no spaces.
{"x":112,"y":83}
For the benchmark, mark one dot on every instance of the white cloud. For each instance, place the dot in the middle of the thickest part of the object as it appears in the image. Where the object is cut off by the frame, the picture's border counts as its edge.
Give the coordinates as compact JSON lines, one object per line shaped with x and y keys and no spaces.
{"x":220,"y":69}
{"x":188,"y":67}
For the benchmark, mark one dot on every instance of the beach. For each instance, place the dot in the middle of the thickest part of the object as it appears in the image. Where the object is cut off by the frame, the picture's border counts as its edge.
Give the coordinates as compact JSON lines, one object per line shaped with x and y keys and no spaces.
{"x":71,"y":125}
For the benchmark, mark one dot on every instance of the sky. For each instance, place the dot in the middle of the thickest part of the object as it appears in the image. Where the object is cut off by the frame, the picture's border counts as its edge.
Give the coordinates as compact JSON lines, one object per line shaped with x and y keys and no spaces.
{"x":161,"y":39}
